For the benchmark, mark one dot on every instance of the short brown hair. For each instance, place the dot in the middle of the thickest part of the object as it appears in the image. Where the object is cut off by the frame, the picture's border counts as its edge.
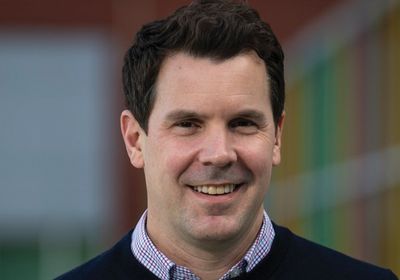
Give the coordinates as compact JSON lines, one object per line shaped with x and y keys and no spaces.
{"x":215,"y":29}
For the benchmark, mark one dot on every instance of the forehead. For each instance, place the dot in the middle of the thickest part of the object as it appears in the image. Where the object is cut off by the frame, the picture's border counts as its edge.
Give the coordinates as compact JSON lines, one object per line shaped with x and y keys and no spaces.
{"x":186,"y":67}
{"x":185,"y":80}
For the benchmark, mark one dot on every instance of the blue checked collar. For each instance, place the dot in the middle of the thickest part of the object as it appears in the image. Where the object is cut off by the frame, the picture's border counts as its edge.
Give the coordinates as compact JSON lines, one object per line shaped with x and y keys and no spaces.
{"x":154,"y":260}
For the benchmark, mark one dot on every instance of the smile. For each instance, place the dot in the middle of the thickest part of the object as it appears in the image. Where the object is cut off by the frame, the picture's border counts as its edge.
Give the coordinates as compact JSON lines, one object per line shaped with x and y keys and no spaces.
{"x":215,"y":189}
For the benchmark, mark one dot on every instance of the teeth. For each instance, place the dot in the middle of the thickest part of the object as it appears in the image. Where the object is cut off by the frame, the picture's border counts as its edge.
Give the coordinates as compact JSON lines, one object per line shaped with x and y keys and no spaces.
{"x":215,"y":189}
{"x":220,"y":190}
{"x":212,"y":190}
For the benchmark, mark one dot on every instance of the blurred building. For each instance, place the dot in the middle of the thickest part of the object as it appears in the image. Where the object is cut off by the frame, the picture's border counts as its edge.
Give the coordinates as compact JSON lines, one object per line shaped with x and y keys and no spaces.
{"x":339,"y":182}
{"x":67,"y":190}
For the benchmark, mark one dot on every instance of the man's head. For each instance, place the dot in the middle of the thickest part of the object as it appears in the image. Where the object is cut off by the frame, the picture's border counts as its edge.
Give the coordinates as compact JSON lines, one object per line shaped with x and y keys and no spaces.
{"x":210,"y":29}
{"x":205,"y":91}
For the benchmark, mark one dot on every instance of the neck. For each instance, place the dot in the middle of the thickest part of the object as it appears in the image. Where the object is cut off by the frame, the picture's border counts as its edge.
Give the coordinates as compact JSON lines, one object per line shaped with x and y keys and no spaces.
{"x":207,"y":259}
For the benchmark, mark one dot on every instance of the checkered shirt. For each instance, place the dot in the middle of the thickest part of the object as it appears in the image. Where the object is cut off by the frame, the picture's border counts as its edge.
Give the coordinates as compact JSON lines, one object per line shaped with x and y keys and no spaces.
{"x":155,"y":261}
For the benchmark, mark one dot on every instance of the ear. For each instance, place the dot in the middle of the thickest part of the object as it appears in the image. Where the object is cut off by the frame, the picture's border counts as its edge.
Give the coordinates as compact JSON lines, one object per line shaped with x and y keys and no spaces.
{"x":133,"y":136}
{"x":276,"y":152}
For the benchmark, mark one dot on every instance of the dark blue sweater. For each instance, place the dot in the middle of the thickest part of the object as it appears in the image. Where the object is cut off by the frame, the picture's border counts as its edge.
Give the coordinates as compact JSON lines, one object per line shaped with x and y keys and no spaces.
{"x":291,"y":257}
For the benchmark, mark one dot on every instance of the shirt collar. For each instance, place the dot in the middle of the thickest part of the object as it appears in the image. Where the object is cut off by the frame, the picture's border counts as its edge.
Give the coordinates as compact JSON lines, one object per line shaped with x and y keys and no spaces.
{"x":154,"y":260}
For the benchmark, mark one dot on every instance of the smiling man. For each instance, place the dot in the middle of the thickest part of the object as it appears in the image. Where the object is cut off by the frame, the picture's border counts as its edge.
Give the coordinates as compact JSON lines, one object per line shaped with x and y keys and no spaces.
{"x":207,"y":154}
{"x":205,"y":110}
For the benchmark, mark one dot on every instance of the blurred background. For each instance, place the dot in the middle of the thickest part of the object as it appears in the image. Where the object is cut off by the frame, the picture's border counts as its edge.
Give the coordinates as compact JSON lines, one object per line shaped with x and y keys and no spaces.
{"x":67,"y":191}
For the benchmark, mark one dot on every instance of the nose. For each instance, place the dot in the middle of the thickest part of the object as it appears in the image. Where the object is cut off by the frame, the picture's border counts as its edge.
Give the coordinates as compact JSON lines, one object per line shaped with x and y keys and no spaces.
{"x":217,"y":149}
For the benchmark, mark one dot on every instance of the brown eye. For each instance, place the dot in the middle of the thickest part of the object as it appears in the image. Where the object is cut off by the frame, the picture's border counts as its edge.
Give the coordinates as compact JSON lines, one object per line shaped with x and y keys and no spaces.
{"x":242,"y":122}
{"x":187,"y":124}
{"x":186,"y":127}
{"x":244,"y":126}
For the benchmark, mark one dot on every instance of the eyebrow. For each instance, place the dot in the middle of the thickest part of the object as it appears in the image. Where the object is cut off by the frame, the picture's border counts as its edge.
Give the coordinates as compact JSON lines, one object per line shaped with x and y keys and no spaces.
{"x":181,"y":114}
{"x":255,"y":115}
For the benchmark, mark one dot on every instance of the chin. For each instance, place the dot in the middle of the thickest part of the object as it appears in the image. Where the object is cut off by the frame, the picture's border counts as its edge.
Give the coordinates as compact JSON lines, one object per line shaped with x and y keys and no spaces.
{"x":214,"y":231}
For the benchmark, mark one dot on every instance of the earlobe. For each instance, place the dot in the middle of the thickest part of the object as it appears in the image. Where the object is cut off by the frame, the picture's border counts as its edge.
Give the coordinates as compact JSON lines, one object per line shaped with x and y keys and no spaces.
{"x":132,"y":134}
{"x":276,"y":153}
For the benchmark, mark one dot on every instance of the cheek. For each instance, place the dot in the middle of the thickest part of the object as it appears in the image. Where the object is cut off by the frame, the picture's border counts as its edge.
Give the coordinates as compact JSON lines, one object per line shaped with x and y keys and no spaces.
{"x":183,"y":156}
{"x":258,"y":158}
{"x":171,"y":158}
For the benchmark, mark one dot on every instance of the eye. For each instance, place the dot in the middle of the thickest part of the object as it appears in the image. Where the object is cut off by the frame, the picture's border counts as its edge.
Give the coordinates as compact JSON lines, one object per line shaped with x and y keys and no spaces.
{"x":186,"y":127}
{"x":244,"y":126}
{"x":186,"y":124}
{"x":242,"y":122}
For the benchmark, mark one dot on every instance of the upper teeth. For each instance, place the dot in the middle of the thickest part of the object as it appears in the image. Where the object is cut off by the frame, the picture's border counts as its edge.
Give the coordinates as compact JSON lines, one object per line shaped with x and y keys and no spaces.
{"x":215,"y":189}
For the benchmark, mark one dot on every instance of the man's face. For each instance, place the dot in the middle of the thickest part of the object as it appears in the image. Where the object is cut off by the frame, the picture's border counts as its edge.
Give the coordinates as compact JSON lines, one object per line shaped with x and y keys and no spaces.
{"x":209,"y":150}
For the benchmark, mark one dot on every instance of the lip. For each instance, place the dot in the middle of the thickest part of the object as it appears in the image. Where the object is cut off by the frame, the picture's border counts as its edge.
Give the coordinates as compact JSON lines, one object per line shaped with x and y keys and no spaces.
{"x":213,"y":183}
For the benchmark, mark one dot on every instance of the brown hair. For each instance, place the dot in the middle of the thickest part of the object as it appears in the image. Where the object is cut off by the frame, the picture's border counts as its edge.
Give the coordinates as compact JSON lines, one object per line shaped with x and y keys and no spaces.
{"x":215,"y":29}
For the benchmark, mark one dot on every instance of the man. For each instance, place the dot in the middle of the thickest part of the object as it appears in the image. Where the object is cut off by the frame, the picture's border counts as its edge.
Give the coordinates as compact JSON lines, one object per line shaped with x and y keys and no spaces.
{"x":205,"y":97}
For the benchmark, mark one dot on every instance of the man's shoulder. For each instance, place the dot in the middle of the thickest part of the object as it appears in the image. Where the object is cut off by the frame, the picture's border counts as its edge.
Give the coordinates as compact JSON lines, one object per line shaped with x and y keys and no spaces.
{"x":115,"y":263}
{"x":98,"y":267}
{"x":296,"y":256}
